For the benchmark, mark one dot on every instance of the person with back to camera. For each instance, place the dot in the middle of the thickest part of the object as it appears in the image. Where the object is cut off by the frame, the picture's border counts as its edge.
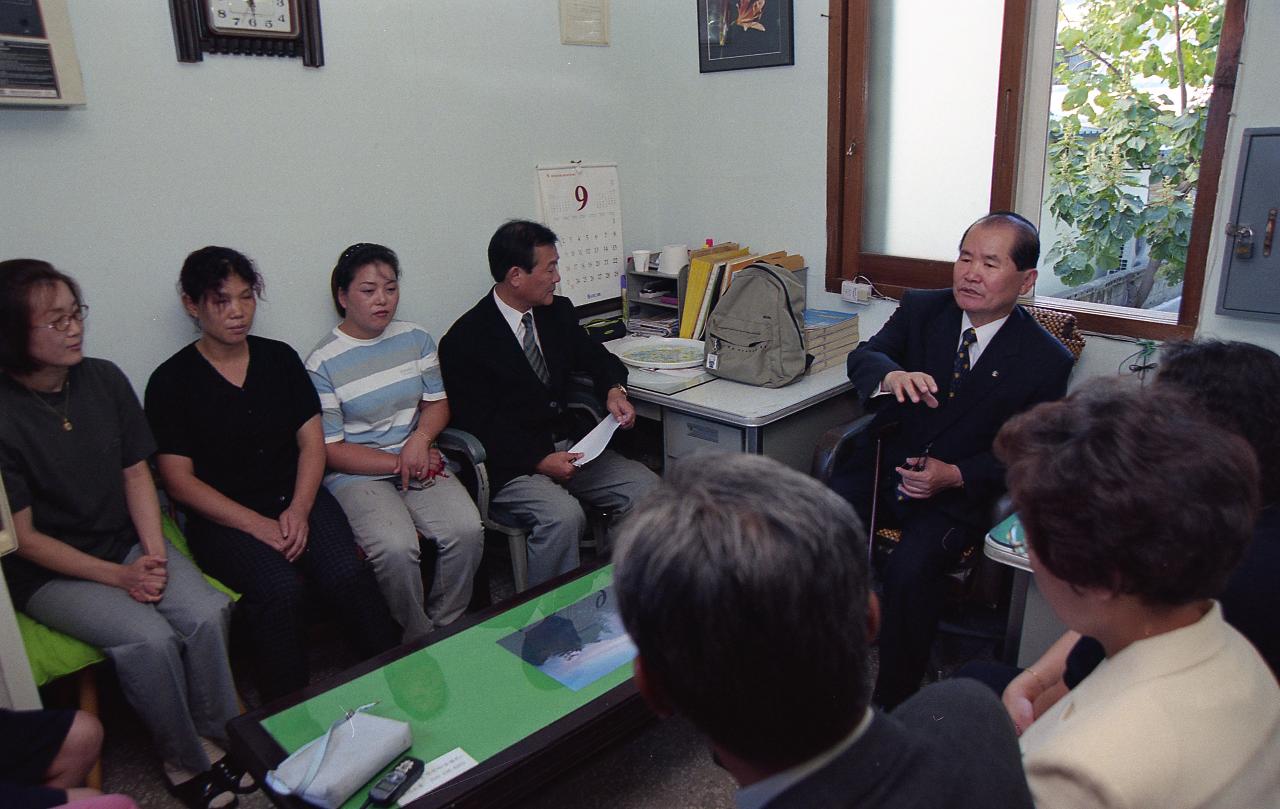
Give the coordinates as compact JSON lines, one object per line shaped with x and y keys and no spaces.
{"x":1238,"y":387}
{"x":237,"y":421}
{"x":507,"y":364}
{"x":92,"y":560}
{"x":383,"y":404}
{"x":745,"y":588}
{"x":1136,"y":509}
{"x":949,"y":368}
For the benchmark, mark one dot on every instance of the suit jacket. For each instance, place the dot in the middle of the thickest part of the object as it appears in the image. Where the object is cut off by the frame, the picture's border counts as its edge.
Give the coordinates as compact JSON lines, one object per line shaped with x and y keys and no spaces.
{"x":494,"y":393}
{"x":1022,"y":366}
{"x":950,"y":746}
{"x":1188,"y":718}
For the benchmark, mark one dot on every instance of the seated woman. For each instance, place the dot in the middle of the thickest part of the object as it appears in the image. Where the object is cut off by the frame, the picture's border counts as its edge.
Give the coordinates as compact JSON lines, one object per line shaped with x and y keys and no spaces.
{"x":1136,"y":510}
{"x":384,"y":403}
{"x":237,"y":422}
{"x":1237,"y":386}
{"x":91,"y":559}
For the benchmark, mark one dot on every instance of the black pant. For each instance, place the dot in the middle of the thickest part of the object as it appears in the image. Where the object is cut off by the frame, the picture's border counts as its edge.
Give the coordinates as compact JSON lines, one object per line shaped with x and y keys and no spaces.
{"x":273,"y":602}
{"x":914,"y":579}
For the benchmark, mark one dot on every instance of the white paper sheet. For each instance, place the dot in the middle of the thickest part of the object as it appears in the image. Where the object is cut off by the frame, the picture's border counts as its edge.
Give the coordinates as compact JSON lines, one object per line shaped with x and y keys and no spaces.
{"x":594,"y":442}
{"x":438,"y":771}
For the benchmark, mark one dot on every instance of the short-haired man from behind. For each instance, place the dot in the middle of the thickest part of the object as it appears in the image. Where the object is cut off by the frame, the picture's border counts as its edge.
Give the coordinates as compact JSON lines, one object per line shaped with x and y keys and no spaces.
{"x":745,"y":588}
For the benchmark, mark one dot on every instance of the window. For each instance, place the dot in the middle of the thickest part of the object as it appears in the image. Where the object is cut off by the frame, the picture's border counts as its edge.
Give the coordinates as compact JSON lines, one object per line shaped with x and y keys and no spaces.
{"x":882,"y":56}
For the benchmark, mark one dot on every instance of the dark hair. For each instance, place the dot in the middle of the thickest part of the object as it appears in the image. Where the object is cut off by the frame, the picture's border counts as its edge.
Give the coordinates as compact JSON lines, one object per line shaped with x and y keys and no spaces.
{"x":19,"y":278}
{"x":1238,"y":385}
{"x":745,"y":590}
{"x":1131,"y":491}
{"x":513,"y":245}
{"x":350,"y":262}
{"x":1025,"y":252}
{"x":205,"y":270}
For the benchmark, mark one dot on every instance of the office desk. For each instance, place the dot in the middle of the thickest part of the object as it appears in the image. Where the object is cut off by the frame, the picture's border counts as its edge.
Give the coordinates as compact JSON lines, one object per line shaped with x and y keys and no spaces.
{"x":782,"y":423}
{"x":1032,"y":627}
{"x":462,"y":689}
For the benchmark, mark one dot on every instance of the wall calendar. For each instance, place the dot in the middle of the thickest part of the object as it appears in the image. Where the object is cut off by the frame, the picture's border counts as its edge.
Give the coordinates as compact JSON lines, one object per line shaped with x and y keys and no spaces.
{"x":582,"y":204}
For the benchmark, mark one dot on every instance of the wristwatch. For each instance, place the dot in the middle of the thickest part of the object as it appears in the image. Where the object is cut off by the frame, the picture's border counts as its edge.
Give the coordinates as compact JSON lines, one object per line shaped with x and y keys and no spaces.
{"x":622,"y":388}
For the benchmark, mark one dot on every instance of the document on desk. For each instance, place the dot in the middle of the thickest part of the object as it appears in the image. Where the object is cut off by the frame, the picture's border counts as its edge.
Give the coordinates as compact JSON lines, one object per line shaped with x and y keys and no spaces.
{"x":594,"y":442}
{"x":438,"y":771}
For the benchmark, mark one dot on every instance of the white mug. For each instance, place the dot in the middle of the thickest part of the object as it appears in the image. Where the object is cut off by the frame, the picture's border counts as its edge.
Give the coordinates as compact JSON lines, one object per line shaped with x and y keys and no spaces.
{"x":640,"y":260}
{"x":674,"y":257}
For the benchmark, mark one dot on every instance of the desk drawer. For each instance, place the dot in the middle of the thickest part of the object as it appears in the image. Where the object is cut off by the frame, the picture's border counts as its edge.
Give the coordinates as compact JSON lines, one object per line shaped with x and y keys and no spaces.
{"x":684,"y":434}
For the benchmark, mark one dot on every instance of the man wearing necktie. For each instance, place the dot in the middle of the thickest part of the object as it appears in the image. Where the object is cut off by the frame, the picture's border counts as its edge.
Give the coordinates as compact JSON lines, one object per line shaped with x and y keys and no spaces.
{"x":506,"y":365}
{"x":946,"y":371}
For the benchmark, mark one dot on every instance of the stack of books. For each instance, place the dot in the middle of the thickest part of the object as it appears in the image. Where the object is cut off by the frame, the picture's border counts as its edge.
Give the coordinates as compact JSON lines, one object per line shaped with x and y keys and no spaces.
{"x":654,"y":324}
{"x":829,"y":337}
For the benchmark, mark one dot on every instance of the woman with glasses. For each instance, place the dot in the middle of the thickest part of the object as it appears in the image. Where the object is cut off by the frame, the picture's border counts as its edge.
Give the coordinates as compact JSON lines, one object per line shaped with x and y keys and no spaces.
{"x":237,"y":422}
{"x":91,"y":560}
{"x":383,"y":404}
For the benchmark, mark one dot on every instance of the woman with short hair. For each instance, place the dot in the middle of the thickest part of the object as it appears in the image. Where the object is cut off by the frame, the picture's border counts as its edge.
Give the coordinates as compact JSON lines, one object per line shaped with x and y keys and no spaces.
{"x":1136,"y":511}
{"x":240,"y":449}
{"x":92,"y":561}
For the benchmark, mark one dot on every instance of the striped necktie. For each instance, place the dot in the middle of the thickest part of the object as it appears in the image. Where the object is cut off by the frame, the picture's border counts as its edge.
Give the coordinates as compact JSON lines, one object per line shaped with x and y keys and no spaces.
{"x":532,"y":352}
{"x":961,"y":367}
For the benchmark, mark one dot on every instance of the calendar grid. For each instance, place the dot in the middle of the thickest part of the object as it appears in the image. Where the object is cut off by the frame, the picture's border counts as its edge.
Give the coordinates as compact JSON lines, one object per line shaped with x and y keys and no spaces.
{"x":581,"y":203}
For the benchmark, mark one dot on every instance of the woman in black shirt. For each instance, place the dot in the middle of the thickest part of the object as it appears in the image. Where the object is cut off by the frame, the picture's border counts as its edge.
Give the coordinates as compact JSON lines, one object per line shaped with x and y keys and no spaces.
{"x":241,"y":449}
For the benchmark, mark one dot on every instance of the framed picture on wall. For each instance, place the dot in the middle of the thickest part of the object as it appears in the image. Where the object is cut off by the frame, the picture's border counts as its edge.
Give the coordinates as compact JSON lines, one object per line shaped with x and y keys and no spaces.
{"x":737,"y":34}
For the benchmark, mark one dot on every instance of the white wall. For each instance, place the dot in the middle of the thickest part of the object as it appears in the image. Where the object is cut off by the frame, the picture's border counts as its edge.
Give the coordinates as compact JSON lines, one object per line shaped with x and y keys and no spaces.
{"x":421,"y":131}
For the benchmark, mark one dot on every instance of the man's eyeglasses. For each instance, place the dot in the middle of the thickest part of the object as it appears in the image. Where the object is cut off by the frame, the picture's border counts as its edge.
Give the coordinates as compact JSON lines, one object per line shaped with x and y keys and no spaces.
{"x":63,"y":323}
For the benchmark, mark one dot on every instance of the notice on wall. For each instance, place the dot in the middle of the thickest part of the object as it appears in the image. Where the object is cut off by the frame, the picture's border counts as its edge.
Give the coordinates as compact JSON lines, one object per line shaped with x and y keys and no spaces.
{"x":584,"y":22}
{"x":581,"y":203}
{"x":38,"y":65}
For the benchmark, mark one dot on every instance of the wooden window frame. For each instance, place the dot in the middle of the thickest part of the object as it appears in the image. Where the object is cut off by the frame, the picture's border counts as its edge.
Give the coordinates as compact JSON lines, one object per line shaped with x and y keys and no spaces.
{"x":848,"y":86}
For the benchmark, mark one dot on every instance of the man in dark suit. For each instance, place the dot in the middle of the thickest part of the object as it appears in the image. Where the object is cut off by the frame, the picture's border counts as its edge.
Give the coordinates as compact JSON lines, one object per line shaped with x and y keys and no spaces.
{"x":744,"y":586}
{"x":506,"y":365}
{"x":948,"y":369}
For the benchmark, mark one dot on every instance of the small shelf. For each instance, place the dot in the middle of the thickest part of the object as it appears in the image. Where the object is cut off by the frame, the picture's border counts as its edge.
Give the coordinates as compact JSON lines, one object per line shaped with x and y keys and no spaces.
{"x":635,"y":280}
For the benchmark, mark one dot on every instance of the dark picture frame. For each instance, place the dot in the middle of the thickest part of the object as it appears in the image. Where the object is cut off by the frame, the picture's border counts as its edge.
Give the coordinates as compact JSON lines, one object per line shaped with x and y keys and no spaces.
{"x":739,"y":34}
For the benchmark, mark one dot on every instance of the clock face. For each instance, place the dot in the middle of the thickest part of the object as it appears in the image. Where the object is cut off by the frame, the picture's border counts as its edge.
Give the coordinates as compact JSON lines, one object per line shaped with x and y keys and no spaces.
{"x":261,"y":18}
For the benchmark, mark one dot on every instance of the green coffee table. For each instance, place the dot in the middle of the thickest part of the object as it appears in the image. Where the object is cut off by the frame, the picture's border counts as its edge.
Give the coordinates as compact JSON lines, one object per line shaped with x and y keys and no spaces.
{"x":462,"y":689}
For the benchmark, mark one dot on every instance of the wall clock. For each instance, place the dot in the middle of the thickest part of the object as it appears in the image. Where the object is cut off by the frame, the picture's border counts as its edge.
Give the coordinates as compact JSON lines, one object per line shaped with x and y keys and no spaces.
{"x":251,"y":27}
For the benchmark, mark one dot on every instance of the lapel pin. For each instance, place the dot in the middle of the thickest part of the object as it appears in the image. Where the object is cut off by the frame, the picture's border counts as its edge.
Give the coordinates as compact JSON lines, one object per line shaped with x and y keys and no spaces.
{"x":995,"y":374}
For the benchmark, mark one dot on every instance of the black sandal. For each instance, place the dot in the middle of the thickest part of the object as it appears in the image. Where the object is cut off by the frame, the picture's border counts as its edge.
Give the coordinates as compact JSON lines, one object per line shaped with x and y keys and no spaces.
{"x":232,"y":776}
{"x":200,"y":792}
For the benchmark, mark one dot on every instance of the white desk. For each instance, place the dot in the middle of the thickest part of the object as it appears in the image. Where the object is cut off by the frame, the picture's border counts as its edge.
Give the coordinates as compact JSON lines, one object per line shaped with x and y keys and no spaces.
{"x":782,"y":423}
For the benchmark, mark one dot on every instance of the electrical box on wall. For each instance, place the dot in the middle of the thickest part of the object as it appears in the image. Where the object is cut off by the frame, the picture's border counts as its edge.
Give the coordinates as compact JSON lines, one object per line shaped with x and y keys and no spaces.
{"x":38,"y":64}
{"x":1251,"y":266}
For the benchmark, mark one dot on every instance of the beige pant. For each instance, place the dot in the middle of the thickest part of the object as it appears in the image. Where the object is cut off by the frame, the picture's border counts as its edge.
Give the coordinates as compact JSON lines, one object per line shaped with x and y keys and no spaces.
{"x":387,"y":521}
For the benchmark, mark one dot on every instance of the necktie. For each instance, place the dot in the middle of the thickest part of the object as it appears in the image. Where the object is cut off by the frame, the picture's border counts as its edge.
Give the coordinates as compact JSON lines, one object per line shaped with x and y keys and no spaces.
{"x":961,"y":367}
{"x":531,"y":350}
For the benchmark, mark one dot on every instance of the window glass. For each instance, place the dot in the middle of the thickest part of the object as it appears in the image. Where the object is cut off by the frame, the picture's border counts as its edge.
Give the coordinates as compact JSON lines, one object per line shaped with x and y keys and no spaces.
{"x":1128,"y":108}
{"x":931,"y":110}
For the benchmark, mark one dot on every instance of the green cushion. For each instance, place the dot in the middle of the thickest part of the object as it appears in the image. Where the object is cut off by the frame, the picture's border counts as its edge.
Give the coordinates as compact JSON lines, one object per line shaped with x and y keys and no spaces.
{"x":53,"y":654}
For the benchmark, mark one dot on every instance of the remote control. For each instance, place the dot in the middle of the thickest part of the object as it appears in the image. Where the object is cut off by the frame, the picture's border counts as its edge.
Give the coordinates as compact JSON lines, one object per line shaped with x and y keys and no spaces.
{"x":392,"y":785}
